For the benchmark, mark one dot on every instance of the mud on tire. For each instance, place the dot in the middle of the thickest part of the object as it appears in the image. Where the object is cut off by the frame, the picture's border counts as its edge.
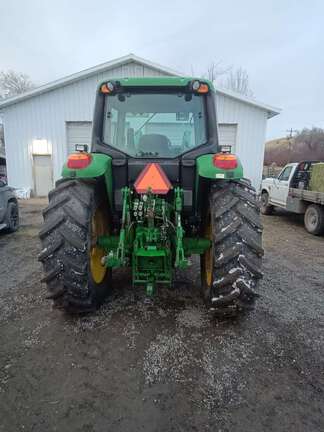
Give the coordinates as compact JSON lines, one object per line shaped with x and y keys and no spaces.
{"x":66,"y":239}
{"x":236,"y":234}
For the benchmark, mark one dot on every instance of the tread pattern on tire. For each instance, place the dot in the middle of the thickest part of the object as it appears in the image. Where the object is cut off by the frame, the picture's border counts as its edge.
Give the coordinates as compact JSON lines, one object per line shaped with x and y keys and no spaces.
{"x":65,"y":239}
{"x":237,"y":238}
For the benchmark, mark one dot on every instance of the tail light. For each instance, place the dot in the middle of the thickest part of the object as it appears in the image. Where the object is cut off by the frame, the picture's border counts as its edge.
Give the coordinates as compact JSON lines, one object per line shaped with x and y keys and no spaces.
{"x":79,"y":160}
{"x":225,"y":161}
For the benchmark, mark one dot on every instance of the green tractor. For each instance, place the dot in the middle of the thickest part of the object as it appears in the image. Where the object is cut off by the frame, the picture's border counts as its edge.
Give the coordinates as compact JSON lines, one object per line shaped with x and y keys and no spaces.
{"x":155,"y":189}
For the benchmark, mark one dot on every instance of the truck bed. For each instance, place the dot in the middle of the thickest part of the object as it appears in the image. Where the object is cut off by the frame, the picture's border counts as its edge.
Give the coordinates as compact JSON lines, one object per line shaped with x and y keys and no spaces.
{"x":307,"y":195}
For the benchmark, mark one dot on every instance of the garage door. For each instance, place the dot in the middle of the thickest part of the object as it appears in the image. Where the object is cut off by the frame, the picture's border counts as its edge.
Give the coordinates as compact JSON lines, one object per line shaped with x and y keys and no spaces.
{"x":227,"y":135}
{"x":77,"y":133}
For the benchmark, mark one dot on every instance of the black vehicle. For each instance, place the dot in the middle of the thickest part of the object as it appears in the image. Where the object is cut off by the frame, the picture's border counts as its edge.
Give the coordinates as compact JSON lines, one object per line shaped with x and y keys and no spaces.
{"x":9,"y":212}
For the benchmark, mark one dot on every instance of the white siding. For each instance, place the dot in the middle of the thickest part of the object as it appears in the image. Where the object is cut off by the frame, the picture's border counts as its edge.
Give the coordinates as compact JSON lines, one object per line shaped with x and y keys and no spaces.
{"x":251,"y":130}
{"x":45,"y":116}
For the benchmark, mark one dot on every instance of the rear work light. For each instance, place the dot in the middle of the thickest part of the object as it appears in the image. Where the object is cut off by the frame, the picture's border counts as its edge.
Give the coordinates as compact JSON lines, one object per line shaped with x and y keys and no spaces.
{"x":107,"y":88}
{"x":79,"y":160}
{"x":225,"y":161}
{"x":200,"y":87}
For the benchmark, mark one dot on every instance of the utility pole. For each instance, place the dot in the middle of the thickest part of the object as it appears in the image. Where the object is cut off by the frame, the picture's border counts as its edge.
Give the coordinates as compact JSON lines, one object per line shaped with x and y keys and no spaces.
{"x":290,"y":141}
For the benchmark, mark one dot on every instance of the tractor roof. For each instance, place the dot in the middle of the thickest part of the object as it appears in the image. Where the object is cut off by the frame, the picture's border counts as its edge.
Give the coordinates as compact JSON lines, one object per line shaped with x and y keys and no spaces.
{"x":159,"y":81}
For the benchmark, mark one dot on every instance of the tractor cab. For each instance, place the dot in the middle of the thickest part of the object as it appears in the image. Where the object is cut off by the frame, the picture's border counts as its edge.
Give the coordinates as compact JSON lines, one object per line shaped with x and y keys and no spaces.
{"x":170,"y":121}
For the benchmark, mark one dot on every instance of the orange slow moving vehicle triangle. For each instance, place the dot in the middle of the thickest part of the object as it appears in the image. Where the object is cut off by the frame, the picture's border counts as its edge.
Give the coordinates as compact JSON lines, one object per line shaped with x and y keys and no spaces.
{"x":152,"y":178}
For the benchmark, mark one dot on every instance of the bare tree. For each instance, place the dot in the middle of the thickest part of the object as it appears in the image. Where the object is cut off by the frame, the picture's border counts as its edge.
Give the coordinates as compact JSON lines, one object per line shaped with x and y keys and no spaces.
{"x":216,"y":70}
{"x":307,"y":144}
{"x":233,"y":79}
{"x":310,"y":142}
{"x":238,"y":81}
{"x":14,"y":83}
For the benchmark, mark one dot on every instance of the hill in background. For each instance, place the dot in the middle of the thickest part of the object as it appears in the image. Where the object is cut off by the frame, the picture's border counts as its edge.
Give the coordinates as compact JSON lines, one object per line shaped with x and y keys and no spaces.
{"x":305,"y":145}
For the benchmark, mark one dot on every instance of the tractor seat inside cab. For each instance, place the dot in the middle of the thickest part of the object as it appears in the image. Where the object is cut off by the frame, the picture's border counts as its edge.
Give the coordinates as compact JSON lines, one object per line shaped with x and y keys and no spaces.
{"x":154,"y":143}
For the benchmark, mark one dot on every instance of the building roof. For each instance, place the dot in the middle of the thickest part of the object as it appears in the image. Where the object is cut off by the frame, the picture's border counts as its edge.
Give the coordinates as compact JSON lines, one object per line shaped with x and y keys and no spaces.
{"x":272,"y":111}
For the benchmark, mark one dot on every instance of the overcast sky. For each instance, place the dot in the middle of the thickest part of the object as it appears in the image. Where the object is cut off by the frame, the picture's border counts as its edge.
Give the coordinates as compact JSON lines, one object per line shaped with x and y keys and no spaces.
{"x":279,"y":42}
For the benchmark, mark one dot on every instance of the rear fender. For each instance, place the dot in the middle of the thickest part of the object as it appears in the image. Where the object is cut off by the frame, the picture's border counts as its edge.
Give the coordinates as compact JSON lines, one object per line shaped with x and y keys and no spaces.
{"x":207,"y":169}
{"x":207,"y":173}
{"x":100,"y":166}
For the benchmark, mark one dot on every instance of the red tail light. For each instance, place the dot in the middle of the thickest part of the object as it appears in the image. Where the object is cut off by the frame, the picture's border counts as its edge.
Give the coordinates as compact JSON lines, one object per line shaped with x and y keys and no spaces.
{"x":225,"y":161}
{"x":79,"y":160}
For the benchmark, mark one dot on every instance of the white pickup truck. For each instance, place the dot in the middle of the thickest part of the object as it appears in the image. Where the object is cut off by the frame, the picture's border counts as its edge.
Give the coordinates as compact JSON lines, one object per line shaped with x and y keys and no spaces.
{"x":290,"y":191}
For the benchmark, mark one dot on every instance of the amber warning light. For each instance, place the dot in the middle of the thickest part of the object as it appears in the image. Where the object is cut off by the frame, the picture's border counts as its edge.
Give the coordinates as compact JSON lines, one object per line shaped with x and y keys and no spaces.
{"x":153,"y":179}
{"x":200,"y":87}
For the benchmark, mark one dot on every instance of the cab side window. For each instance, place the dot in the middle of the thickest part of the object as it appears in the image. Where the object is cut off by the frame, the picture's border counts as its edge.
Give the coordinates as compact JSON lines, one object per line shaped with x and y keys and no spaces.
{"x":284,"y":176}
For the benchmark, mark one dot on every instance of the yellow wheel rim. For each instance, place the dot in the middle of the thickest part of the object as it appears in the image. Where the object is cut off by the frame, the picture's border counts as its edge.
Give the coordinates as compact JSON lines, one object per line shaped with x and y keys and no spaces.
{"x":98,"y":224}
{"x":208,"y":256}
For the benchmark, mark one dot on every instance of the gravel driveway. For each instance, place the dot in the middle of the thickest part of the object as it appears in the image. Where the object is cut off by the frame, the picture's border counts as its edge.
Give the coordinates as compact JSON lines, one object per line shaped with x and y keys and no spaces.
{"x":166,"y":366}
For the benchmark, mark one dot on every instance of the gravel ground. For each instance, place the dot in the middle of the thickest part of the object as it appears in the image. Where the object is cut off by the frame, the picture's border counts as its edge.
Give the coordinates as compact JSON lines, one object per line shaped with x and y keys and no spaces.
{"x":166,"y":366}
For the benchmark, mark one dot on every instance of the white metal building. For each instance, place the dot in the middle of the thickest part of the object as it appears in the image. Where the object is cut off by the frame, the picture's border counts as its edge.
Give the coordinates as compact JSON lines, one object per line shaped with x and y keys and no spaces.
{"x":42,"y":126}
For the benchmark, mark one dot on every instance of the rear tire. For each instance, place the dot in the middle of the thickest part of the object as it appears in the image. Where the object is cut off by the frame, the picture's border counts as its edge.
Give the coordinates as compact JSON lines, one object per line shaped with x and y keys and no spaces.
{"x":314,"y":219}
{"x":68,"y":239}
{"x":12,"y":217}
{"x":266,"y":208}
{"x":234,"y":259}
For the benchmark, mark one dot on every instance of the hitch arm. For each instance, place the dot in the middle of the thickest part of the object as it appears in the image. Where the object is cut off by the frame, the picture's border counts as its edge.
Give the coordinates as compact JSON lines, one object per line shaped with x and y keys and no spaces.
{"x":180,"y":261}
